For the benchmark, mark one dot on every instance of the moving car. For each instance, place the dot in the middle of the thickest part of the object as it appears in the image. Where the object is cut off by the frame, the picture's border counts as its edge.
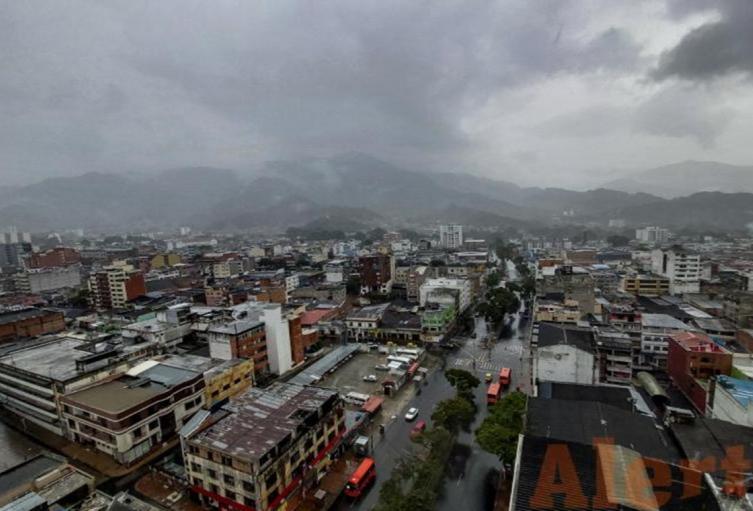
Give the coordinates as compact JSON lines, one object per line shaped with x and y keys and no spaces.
{"x":419,"y":428}
{"x":370,"y":377}
{"x":411,"y":414}
{"x":488,"y":377}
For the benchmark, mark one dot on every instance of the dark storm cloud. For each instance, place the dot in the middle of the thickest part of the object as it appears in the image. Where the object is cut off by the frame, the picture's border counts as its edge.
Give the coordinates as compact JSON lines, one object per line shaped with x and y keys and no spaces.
{"x":101,"y":86}
{"x":714,"y":49}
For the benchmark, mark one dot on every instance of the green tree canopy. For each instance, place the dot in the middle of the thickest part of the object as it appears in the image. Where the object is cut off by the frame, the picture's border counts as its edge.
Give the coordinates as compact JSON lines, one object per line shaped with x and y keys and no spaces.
{"x":461,"y":379}
{"x":498,"y":434}
{"x":453,"y":414}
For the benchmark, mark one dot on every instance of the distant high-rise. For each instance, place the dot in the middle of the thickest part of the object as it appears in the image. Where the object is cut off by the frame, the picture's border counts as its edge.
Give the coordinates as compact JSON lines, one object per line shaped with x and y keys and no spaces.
{"x":650,"y":234}
{"x":451,"y":235}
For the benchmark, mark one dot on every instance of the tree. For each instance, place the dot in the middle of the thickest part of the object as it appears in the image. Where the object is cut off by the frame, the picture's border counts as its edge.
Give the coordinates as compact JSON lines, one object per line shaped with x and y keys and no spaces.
{"x":498,"y":434}
{"x":499,"y":302}
{"x":461,"y":379}
{"x":493,"y":280}
{"x":453,"y":414}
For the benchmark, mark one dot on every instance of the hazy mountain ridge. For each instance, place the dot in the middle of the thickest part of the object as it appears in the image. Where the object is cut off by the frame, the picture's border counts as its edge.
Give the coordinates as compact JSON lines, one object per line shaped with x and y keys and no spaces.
{"x":350,"y":189}
{"x":688,"y":177}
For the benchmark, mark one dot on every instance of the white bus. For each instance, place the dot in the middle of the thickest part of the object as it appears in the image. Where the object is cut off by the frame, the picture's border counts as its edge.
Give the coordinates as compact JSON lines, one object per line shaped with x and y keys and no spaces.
{"x":356,"y":398}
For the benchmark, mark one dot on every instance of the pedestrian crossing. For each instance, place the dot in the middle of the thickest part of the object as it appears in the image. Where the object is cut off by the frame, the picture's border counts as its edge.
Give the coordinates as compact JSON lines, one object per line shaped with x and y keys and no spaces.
{"x":483,"y":365}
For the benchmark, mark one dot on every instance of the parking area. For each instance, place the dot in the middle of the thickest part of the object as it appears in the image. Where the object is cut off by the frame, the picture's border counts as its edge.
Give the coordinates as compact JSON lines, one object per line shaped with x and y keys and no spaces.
{"x":350,"y":378}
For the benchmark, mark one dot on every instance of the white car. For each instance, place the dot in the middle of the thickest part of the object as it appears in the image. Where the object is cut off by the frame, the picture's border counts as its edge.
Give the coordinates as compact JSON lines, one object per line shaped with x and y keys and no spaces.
{"x":370,"y":377}
{"x":382,"y":367}
{"x":411,"y":414}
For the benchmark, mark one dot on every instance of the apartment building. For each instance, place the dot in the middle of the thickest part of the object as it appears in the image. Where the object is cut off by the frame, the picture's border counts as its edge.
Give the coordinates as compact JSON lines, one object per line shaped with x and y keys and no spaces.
{"x":614,"y":356}
{"x":645,"y":285}
{"x":451,"y":236}
{"x":53,"y":258}
{"x":129,"y":416}
{"x":652,"y":234}
{"x":682,"y":267}
{"x":376,"y":272}
{"x":656,"y":329}
{"x":114,"y":286}
{"x":433,"y":291}
{"x":47,"y":279}
{"x":266,"y":445}
{"x":34,"y":378}
{"x":25,"y":322}
{"x":222,"y":378}
{"x":238,"y":339}
{"x":693,"y":359}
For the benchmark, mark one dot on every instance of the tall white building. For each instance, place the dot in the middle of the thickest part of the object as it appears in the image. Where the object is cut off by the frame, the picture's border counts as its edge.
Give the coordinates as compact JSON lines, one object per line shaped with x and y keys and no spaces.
{"x":437,"y":290}
{"x":652,"y":234}
{"x":451,"y":235}
{"x":680,"y":266}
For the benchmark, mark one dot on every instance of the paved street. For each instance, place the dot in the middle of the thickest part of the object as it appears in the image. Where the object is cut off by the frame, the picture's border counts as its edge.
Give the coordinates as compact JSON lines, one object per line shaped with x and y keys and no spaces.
{"x":471,"y":471}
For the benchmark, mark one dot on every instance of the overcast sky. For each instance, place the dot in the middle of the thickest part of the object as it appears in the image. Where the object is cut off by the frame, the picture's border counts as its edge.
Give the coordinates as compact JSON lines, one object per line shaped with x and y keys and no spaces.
{"x":541,"y":92}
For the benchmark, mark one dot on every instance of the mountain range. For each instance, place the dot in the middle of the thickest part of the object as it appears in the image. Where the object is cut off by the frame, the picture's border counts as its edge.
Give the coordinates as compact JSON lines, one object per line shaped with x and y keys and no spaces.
{"x":358,"y":191}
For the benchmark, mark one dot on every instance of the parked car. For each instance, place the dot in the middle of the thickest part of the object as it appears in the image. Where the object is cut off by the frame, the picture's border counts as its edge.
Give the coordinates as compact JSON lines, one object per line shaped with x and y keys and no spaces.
{"x":419,"y":428}
{"x":411,"y":414}
{"x":381,"y":367}
{"x":370,"y":377}
{"x":373,"y":347}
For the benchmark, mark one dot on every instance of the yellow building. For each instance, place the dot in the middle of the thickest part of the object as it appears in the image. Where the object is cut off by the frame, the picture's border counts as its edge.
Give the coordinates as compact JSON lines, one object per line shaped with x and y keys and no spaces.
{"x":259,"y":454}
{"x":228,"y":379}
{"x":165,"y":260}
{"x":646,"y":285}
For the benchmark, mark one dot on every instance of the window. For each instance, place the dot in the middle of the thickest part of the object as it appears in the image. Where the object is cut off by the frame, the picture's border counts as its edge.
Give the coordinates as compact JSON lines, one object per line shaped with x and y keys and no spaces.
{"x":249,"y":486}
{"x":229,"y":480}
{"x":227,"y":461}
{"x":212,"y":473}
{"x":230,"y":494}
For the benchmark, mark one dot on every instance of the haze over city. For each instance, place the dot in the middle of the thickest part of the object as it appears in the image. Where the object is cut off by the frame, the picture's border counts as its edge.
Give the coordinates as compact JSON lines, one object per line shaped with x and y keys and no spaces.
{"x":361,"y":255}
{"x":559,"y":93}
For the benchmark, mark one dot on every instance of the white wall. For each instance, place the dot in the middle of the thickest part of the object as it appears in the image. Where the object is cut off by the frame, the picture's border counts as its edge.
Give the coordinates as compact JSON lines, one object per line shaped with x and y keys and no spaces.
{"x":278,"y":339}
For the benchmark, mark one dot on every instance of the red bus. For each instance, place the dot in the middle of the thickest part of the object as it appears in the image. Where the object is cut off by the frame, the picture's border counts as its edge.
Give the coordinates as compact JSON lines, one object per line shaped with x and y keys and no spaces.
{"x":504,"y":376}
{"x":493,"y":393}
{"x":364,"y":475}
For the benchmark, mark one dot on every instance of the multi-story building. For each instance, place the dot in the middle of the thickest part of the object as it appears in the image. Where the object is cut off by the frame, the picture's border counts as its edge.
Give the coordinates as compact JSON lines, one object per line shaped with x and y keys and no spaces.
{"x":693,"y":359}
{"x":645,"y":285}
{"x":114,"y":286}
{"x":451,"y":236}
{"x":573,"y":282}
{"x":564,"y":353}
{"x":656,"y":329}
{"x":436,"y":321}
{"x":222,"y":378}
{"x":557,"y":312}
{"x":29,"y":322}
{"x":47,"y":279}
{"x":376,"y":273}
{"x":682,"y":268}
{"x":436,"y":290}
{"x":238,"y":339}
{"x":129,"y":416}
{"x":53,"y":258}
{"x":268,"y":445}
{"x":738,"y":308}
{"x":651,"y":234}
{"x":335,"y":271}
{"x":165,"y":260}
{"x":34,"y":378}
{"x":614,"y":356}
{"x":168,"y":328}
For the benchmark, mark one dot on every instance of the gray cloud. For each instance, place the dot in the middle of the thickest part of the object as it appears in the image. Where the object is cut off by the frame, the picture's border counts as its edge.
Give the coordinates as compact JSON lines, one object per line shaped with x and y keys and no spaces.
{"x":141,"y":86}
{"x":682,"y":112}
{"x":713,"y":49}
